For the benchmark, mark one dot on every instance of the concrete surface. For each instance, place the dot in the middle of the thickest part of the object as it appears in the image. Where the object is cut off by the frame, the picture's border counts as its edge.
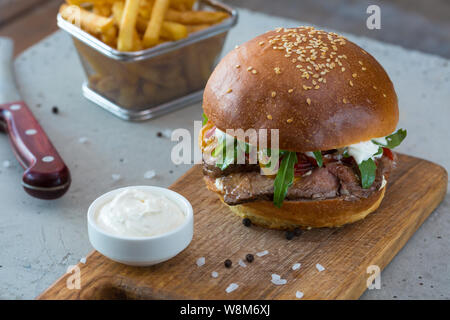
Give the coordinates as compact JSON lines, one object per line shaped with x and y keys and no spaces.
{"x":41,"y":239}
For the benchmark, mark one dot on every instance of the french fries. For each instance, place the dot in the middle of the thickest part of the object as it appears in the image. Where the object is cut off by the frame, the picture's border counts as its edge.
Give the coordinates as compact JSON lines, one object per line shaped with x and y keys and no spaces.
{"x":182,"y":5}
{"x":126,"y":39}
{"x":86,"y":20}
{"x":195,"y":17}
{"x":152,"y":33}
{"x":173,"y":31}
{"x":132,"y":25}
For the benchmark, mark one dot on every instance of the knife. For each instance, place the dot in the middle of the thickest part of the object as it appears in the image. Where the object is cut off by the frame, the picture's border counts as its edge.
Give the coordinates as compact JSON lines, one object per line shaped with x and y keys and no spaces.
{"x":46,"y":176}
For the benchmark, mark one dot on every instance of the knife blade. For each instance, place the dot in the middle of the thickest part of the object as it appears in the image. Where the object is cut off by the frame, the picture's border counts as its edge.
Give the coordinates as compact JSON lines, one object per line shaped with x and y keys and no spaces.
{"x":46,"y":176}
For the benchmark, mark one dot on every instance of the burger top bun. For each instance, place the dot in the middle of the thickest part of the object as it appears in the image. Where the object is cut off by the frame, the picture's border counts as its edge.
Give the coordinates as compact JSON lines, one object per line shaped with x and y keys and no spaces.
{"x":320,"y":90}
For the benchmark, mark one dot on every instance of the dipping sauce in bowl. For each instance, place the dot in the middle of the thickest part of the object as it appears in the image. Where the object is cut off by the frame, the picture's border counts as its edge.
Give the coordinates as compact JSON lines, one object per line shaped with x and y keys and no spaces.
{"x":140,"y":225}
{"x":139,"y":213}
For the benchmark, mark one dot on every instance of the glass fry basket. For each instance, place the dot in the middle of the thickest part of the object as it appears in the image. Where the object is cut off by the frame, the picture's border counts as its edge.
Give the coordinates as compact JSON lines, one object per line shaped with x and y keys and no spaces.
{"x":144,"y":84}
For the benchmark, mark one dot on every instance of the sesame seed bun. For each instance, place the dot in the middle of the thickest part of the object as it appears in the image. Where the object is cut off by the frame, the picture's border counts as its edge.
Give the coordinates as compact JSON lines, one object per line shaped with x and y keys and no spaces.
{"x":320,"y":90}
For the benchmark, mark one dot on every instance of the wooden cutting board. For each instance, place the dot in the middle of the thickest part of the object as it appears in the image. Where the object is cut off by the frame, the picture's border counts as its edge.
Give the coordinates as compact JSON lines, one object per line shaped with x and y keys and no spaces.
{"x":415,"y":189}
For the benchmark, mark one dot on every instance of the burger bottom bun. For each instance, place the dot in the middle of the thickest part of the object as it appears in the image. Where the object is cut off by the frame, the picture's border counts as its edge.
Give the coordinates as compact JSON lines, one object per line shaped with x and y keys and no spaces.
{"x":308,"y":213}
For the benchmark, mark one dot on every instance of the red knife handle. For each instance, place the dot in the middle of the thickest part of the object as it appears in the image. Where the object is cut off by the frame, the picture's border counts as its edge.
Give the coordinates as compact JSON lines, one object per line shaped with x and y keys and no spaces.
{"x":46,"y":176}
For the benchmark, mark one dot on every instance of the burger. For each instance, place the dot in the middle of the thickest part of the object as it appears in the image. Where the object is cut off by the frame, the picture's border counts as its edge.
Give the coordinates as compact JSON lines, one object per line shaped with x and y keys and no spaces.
{"x":335,"y":112}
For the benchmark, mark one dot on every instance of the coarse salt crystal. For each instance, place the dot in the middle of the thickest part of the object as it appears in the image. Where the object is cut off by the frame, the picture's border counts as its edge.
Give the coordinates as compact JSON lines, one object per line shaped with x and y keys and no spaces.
{"x":116,"y":176}
{"x":200,"y":261}
{"x":232,"y":287}
{"x":167,"y":133}
{"x":6,"y":164}
{"x":279,"y":282}
{"x":319,"y":267}
{"x":262,"y":253}
{"x":241,"y":263}
{"x":83,"y":260}
{"x":299,"y":294}
{"x":150,"y":174}
{"x":214,"y":274}
{"x":296,"y":266}
{"x":83,"y":140}
{"x":276,"y":279}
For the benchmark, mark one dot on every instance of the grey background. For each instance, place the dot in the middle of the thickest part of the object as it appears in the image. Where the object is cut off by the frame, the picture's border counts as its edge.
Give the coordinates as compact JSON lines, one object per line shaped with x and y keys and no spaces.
{"x":40,"y":239}
{"x":417,"y":24}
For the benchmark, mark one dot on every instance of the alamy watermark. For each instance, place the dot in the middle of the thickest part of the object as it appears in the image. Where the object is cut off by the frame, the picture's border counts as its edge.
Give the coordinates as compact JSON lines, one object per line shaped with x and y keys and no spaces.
{"x":374,"y":20}
{"x":242,"y":146}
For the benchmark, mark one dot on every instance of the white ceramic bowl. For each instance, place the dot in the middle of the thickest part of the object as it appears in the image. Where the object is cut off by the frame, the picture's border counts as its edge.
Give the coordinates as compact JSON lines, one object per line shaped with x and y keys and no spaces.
{"x":141,"y":251}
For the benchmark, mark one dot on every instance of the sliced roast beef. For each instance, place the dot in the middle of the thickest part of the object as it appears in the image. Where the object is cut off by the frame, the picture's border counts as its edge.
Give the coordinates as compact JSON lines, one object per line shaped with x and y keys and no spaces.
{"x":336,"y":179}
{"x":215,"y":172}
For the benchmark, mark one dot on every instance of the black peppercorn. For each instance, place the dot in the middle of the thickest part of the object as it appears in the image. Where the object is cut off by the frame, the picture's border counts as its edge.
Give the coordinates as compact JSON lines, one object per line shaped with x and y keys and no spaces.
{"x":228,"y":263}
{"x":55,"y":110}
{"x":247,"y":222}
{"x":249,"y":257}
{"x":297,"y":232}
{"x":290,"y":235}
{"x":159,"y":134}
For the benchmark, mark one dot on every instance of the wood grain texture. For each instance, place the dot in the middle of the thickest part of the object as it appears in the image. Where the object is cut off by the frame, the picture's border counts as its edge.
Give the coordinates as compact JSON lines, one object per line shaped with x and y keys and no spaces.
{"x":35,"y":23}
{"x":11,"y":8}
{"x":414,"y":190}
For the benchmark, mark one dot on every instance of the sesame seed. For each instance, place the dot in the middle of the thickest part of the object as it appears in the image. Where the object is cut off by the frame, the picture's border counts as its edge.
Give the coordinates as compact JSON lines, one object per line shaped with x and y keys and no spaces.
{"x":384,"y":95}
{"x":249,"y":68}
{"x":375,"y":87}
{"x":363,"y":69}
{"x":238,"y":66}
{"x":289,"y":120}
{"x":351,"y":83}
{"x":360,"y":62}
{"x":277,"y":70}
{"x":354,"y":75}
{"x":236,"y":46}
{"x":261,"y":43}
{"x":290,"y":90}
{"x":342,"y":69}
{"x":254,"y":71}
{"x":229,"y":90}
{"x":273,"y":94}
{"x":344,"y":100}
{"x":308,"y":101}
{"x":269,"y":117}
{"x":317,"y":87}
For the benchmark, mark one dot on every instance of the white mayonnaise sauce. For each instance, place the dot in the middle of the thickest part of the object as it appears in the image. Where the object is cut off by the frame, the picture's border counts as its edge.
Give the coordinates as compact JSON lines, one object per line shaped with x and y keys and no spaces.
{"x":139,"y":213}
{"x":362,"y":151}
{"x":219,"y":184}
{"x":383,"y":183}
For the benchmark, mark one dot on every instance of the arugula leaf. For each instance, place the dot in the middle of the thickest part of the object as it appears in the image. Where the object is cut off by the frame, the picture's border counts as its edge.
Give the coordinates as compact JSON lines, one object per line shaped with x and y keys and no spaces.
{"x":318,"y":157}
{"x":204,"y":119}
{"x":367,"y":169}
{"x":379,"y":152}
{"x":220,"y":151}
{"x":284,"y":178}
{"x":393,"y":140}
{"x":345,"y":154}
{"x":227,"y":160}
